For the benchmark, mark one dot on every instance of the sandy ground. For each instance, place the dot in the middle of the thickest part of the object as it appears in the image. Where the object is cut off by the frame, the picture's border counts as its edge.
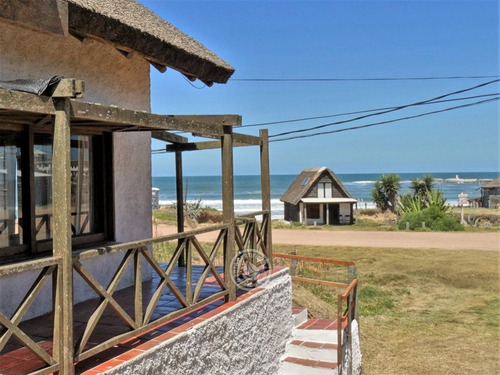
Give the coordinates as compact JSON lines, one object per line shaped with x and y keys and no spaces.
{"x":438,"y":240}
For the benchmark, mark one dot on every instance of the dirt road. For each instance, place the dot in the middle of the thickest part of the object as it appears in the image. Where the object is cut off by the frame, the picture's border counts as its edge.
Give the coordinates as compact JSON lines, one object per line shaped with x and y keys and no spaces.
{"x":438,"y":240}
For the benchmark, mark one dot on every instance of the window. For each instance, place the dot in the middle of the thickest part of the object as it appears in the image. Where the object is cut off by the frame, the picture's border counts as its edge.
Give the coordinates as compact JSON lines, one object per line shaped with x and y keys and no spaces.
{"x":26,"y":190}
{"x":10,"y":189}
{"x":324,"y":190}
{"x":313,"y":211}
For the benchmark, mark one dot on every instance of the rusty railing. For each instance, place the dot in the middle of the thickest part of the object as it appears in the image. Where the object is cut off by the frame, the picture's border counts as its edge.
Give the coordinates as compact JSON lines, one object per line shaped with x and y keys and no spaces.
{"x":346,"y":309}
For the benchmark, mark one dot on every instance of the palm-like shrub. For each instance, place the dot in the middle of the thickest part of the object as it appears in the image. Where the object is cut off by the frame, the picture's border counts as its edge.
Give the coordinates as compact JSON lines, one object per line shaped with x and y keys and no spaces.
{"x":409,"y":203}
{"x":385,"y":192}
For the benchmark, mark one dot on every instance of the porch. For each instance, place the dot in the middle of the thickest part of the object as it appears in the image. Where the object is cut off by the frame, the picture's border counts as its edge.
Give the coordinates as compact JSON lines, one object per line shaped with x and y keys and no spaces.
{"x":127,"y":304}
{"x":329,"y":211}
{"x":16,"y":359}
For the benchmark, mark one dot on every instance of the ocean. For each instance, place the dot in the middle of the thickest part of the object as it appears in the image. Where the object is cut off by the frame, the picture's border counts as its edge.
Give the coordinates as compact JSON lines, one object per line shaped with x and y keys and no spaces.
{"x":247,"y":189}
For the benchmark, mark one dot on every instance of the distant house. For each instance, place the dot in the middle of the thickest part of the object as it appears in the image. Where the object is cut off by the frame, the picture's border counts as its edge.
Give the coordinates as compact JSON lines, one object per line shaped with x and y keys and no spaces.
{"x":317,"y":196}
{"x":490,"y":194}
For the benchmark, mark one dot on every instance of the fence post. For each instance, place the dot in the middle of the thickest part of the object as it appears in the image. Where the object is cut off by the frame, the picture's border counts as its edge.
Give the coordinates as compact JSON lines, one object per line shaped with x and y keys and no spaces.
{"x":353,"y":274}
{"x":266,"y":193}
{"x":228,"y":209}
{"x":293,"y":265}
{"x":61,"y":208}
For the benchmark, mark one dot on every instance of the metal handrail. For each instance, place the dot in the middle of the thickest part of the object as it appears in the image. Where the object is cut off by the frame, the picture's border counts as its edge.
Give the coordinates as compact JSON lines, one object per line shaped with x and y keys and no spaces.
{"x":348,"y":294}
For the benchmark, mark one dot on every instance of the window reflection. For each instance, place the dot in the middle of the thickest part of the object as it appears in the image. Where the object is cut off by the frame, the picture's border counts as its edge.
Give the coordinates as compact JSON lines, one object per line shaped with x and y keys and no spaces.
{"x":81,"y":185}
{"x":10,"y":189}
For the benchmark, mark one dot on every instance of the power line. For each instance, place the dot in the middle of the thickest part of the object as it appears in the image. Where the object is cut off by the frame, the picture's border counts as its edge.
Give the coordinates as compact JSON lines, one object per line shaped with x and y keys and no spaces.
{"x":385,"y":122}
{"x":357,"y":112}
{"x":384,"y":111}
{"x":358,"y":79}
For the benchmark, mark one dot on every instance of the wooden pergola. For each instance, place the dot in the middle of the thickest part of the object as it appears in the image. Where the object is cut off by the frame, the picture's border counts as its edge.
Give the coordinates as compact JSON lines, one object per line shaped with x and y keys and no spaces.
{"x":66,"y":113}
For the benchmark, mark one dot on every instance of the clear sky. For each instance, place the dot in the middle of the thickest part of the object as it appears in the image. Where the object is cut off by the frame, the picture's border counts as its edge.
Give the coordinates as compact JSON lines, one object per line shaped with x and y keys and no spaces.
{"x":342,"y":39}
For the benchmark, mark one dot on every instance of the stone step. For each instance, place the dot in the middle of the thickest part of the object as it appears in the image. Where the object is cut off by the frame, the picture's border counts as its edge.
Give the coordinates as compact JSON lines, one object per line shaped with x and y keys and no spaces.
{"x":312,"y":350}
{"x":299,"y":366}
{"x":317,"y":330}
{"x":299,"y":315}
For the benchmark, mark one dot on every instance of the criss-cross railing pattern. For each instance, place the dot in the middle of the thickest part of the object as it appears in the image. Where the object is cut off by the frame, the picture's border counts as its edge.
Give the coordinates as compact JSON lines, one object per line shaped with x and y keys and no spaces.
{"x":188,"y":295}
{"x":10,"y":326}
{"x":254,"y":234}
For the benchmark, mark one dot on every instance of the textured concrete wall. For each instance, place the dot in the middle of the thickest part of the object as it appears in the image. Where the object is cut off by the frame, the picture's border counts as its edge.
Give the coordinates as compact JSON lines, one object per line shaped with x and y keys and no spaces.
{"x":110,"y":79}
{"x":248,"y":338}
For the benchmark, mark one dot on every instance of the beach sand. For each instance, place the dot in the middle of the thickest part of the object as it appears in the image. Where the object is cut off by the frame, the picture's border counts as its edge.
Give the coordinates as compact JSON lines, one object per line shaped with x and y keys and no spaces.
{"x":438,"y":240}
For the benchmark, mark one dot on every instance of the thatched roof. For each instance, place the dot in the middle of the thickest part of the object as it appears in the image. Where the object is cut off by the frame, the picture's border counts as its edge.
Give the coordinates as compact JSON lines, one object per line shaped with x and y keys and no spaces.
{"x":130,"y":25}
{"x":305,"y":181}
{"x":492,"y":184}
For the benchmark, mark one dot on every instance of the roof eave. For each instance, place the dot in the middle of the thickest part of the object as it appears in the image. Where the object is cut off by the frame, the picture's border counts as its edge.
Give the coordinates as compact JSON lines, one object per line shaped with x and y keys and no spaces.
{"x":86,"y":23}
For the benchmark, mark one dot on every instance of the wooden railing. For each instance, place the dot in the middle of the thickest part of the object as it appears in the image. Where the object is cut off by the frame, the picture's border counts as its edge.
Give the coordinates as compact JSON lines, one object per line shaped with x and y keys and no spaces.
{"x":136,"y":252}
{"x":347,"y":307}
{"x":255,"y":234}
{"x":48,"y":268}
{"x":136,"y":317}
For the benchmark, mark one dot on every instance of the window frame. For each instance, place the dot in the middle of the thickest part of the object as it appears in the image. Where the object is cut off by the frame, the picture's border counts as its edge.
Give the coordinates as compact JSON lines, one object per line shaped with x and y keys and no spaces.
{"x":102,"y":190}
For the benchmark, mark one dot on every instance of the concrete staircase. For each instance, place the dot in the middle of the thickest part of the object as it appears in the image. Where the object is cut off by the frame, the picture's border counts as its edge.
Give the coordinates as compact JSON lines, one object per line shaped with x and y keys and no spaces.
{"x":313,"y":347}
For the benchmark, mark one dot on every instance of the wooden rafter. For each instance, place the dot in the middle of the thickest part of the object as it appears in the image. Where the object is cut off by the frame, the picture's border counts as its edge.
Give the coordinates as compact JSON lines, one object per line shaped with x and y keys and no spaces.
{"x":112,"y":117}
{"x":240,"y":140}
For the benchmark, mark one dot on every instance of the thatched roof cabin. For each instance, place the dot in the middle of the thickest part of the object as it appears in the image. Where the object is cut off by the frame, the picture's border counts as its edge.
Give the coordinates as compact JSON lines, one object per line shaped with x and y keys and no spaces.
{"x":318,"y":196}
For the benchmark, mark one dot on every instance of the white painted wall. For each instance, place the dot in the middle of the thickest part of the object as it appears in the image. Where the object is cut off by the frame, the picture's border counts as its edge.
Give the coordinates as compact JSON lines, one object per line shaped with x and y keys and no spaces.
{"x":248,"y":338}
{"x":110,"y":79}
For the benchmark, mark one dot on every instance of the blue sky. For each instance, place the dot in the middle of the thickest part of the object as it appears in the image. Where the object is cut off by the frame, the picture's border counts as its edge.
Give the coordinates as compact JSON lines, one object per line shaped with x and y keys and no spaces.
{"x":341,"y":39}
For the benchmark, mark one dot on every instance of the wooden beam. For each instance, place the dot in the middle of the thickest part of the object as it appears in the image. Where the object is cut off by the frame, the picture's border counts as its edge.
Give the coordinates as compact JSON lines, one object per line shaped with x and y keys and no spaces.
{"x":69,"y":88}
{"x":168,"y":137}
{"x":265,"y":180}
{"x":205,"y":125}
{"x":197,"y":146}
{"x":228,"y":210}
{"x":233,"y":120}
{"x":61,"y":206}
{"x":179,"y":192}
{"x":161,"y":68}
{"x":246,"y":139}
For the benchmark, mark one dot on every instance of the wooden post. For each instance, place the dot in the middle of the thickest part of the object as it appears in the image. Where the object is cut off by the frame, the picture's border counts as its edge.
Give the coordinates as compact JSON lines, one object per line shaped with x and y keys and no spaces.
{"x":180,"y":202}
{"x":61,"y":208}
{"x":293,"y":265}
{"x":352,"y":273}
{"x":228,"y":208}
{"x":265,"y":177}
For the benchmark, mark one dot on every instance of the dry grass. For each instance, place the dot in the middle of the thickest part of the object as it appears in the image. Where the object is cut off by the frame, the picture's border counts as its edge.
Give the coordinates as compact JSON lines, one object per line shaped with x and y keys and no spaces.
{"x":422,"y":311}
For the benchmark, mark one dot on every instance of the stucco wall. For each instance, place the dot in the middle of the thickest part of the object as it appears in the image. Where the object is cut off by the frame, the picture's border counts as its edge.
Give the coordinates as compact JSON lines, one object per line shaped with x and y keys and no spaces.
{"x":248,"y":338}
{"x":110,"y":79}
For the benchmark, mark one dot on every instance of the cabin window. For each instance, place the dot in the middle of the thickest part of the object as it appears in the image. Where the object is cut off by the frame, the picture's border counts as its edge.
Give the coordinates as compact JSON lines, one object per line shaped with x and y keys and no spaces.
{"x":313,"y":211}
{"x":324,"y":190}
{"x":26,"y":188}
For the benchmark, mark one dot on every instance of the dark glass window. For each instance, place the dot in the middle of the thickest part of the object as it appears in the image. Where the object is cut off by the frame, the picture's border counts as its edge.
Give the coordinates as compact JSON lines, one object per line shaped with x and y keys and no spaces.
{"x":11,"y":231}
{"x":26,"y":223}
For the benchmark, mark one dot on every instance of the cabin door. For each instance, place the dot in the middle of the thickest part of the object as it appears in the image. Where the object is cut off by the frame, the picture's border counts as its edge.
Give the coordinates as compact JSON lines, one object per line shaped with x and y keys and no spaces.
{"x":333,"y":213}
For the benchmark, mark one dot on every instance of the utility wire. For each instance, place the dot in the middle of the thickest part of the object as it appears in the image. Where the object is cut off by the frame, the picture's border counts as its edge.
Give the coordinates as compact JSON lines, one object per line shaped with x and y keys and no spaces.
{"x":357,"y":79}
{"x":384,"y":122}
{"x":347,"y":113}
{"x":357,"y":112}
{"x":384,"y":111}
{"x":161,"y":151}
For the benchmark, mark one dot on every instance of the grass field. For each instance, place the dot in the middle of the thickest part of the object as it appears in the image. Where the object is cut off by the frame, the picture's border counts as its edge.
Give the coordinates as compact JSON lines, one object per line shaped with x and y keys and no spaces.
{"x":421,"y":311}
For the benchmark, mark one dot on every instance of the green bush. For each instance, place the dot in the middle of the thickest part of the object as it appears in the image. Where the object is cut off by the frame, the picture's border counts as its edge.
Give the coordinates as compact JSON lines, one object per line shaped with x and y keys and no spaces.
{"x":434,"y":219}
